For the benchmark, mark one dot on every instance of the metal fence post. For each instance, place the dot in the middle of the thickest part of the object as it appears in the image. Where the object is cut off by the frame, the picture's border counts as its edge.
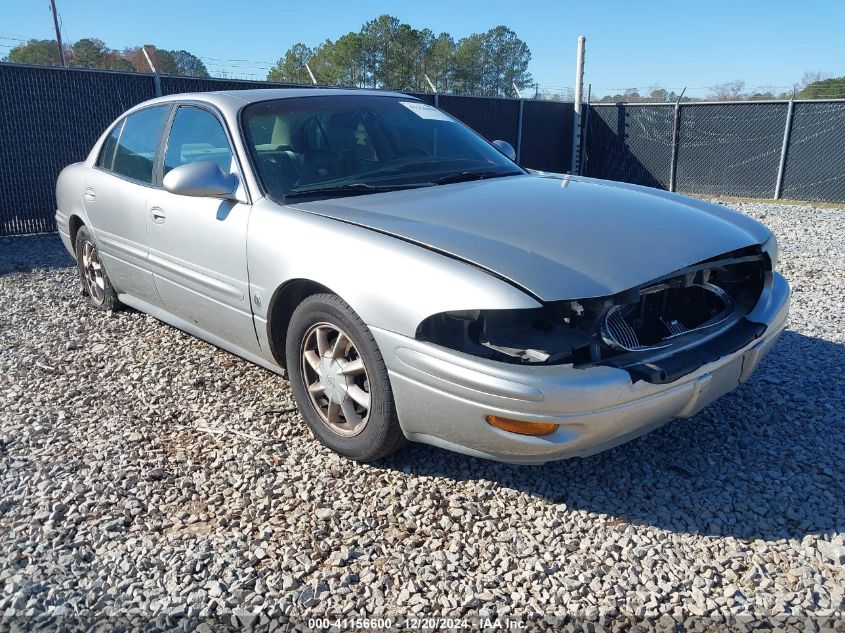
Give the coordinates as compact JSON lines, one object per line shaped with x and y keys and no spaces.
{"x":519,"y":133}
{"x":676,"y":130}
{"x":576,"y":115}
{"x":156,"y":78}
{"x":787,"y":131}
{"x":436,"y":100}
{"x":582,"y":165}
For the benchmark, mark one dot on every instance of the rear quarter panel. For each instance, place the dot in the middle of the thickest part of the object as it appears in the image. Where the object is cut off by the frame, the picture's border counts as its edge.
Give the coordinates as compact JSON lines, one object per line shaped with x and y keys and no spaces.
{"x":69,"y":202}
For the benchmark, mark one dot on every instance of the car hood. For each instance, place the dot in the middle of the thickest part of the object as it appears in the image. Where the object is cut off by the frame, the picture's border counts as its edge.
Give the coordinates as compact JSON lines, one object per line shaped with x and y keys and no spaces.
{"x":556,"y":237}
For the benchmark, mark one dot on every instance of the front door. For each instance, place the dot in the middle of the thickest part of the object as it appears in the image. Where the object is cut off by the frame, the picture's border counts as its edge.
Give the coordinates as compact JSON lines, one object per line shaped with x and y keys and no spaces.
{"x":197,"y":245}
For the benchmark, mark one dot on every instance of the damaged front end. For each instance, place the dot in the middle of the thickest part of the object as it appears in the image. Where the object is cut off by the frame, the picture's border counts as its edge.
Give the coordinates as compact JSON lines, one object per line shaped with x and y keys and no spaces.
{"x":658,"y":331}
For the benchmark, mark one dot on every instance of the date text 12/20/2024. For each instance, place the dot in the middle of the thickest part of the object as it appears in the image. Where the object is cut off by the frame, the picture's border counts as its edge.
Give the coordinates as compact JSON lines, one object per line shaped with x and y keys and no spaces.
{"x":415,"y":624}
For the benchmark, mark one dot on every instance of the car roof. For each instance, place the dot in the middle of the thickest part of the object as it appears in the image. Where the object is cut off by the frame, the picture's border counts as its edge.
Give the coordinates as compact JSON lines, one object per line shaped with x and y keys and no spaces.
{"x":230,"y":101}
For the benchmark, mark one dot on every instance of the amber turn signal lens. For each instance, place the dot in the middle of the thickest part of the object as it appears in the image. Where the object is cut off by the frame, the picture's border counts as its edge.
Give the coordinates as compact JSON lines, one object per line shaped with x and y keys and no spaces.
{"x":521,"y":427}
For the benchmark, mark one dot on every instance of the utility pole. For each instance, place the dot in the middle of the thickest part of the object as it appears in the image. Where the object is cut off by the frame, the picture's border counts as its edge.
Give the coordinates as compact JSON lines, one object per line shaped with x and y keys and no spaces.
{"x":58,"y":33}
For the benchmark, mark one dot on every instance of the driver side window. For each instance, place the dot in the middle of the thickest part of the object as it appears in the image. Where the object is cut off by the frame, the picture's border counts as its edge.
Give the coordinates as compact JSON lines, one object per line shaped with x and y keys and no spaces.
{"x":196,"y":135}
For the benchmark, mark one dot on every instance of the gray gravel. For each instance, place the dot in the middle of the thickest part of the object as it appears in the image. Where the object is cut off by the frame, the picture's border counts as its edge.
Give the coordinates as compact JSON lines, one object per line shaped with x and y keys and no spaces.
{"x":148,"y":474}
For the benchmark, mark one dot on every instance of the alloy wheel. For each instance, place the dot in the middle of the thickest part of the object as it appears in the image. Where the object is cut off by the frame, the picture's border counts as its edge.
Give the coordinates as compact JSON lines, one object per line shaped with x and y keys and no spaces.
{"x":92,"y":270}
{"x":336,"y":379}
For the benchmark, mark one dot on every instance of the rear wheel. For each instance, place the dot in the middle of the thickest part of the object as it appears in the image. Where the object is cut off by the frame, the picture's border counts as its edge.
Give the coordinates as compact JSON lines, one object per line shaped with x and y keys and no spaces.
{"x":339,"y":380}
{"x":95,"y":282}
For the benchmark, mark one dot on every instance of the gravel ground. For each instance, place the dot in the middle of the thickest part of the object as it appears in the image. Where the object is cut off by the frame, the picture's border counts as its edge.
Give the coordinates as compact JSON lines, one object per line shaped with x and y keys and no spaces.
{"x":121,"y":495}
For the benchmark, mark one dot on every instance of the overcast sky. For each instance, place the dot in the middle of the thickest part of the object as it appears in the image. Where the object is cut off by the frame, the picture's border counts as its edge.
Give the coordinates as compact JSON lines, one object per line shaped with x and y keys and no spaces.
{"x":629,"y":44}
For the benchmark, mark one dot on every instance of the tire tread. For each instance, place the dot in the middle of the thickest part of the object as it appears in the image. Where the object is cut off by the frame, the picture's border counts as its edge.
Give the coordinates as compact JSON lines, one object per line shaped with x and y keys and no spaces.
{"x":386,"y":436}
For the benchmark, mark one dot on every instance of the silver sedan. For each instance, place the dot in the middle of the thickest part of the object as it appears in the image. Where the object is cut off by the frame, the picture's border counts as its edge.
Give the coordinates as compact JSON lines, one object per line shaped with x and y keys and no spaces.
{"x":414,"y":282}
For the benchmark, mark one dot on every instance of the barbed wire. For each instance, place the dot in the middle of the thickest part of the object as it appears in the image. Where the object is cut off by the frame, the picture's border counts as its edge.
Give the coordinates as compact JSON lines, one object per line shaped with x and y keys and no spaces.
{"x":256,"y":70}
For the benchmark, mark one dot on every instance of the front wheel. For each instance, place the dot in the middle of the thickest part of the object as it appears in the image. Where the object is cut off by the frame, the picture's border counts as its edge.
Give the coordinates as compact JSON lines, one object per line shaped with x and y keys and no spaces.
{"x":339,"y":380}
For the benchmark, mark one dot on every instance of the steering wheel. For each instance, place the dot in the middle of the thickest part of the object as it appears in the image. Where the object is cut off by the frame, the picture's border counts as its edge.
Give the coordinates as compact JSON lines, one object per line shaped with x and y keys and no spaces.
{"x":409,"y":152}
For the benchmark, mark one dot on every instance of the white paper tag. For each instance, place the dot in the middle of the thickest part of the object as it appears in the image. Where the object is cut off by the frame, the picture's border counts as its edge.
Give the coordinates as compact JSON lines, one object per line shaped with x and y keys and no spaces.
{"x":425,"y":111}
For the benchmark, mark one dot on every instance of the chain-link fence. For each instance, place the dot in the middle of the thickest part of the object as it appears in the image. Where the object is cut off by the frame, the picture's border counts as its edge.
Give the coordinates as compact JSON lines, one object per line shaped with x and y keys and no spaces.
{"x":730,"y":149}
{"x":50,"y":117}
{"x":629,"y":143}
{"x":773,"y":149}
{"x":546,"y":141}
{"x":540,"y":131}
{"x":815,"y":158}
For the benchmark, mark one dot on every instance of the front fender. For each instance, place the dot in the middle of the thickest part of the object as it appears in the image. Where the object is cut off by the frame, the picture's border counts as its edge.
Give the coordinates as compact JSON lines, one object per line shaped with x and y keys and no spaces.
{"x":390,"y":283}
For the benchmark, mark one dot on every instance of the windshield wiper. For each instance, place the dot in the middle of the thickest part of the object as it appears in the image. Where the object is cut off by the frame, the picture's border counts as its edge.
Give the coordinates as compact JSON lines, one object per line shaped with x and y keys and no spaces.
{"x":350,"y":189}
{"x":464,"y":176}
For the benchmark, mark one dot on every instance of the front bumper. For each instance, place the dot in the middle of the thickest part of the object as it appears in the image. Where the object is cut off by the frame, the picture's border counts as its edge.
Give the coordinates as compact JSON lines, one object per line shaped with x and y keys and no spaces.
{"x":443,"y":396}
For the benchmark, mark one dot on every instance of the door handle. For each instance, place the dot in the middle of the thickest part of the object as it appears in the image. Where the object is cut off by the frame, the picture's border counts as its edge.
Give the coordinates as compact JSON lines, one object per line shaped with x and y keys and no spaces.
{"x":90,"y":194}
{"x":158,"y":215}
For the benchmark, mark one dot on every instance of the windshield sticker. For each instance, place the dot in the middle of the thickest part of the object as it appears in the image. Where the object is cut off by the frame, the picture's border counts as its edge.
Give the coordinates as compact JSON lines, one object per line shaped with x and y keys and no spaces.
{"x":425,"y":111}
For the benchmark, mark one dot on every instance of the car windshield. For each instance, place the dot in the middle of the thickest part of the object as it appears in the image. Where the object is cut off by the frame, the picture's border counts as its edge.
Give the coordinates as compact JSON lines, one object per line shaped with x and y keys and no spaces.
{"x":323,"y":146}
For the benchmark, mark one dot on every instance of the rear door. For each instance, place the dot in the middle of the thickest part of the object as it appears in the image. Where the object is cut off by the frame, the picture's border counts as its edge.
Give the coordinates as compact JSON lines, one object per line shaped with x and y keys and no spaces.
{"x":115,"y":199}
{"x":197,"y":245}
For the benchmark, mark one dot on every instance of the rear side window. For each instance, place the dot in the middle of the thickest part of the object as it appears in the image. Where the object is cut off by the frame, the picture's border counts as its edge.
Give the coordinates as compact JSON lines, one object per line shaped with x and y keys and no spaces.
{"x":106,"y":159}
{"x":136,"y":144}
{"x":196,"y":135}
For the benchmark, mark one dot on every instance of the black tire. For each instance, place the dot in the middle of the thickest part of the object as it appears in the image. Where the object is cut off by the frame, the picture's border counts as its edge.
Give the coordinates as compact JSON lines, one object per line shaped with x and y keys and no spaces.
{"x":101,"y":298}
{"x":381,"y":434}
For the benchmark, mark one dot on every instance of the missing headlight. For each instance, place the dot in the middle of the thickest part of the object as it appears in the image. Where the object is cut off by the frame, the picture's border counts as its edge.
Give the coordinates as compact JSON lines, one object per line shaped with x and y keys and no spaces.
{"x":663,"y":313}
{"x":627,"y":330}
{"x":541,"y":335}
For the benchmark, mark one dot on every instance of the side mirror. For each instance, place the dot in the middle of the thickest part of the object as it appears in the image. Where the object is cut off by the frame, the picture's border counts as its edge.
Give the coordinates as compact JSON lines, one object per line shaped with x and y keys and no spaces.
{"x":202,"y":179}
{"x":506,"y":149}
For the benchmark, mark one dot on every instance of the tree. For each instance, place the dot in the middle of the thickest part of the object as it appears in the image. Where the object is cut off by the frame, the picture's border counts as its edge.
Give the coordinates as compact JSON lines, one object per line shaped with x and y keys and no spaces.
{"x":188,"y":64}
{"x":833,"y":88}
{"x":470,"y":60}
{"x":291,"y":67}
{"x":631,"y":95}
{"x":40,"y":52}
{"x":763,"y":93}
{"x":90,"y":52}
{"x":506,"y":61}
{"x":378,"y":39}
{"x":388,"y":53}
{"x":323,"y":64}
{"x":730,"y":91}
{"x":811,"y":77}
{"x":405,"y":65}
{"x":339,"y":63}
{"x":439,"y":61}
{"x":162,"y":59}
